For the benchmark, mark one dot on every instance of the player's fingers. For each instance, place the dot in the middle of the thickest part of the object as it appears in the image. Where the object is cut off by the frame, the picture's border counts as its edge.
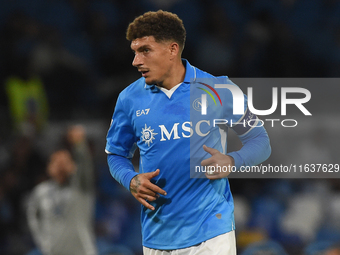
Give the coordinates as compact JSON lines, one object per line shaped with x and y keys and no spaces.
{"x":210,"y":150}
{"x":152,"y":174}
{"x":147,"y":186}
{"x":146,"y":204}
{"x":145,"y":191}
{"x":207,"y":162}
{"x":216,"y":175}
{"x":156,"y":189}
{"x":213,"y":176}
{"x":150,"y":198}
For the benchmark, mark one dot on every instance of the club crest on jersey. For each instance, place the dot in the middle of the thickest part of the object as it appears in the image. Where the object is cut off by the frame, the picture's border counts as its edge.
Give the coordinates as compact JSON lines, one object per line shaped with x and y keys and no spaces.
{"x":148,"y":135}
{"x":197,"y":104}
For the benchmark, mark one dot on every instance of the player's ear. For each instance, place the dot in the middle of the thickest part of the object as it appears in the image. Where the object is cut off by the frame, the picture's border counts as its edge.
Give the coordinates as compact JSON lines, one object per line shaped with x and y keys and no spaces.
{"x":174,"y":49}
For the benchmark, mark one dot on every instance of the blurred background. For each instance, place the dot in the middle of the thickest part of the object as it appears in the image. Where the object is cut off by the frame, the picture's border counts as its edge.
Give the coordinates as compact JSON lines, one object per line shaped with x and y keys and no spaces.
{"x":64,"y":62}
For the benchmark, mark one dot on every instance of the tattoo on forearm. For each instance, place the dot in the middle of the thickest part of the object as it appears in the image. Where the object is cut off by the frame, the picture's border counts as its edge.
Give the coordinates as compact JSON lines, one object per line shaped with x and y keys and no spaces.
{"x":135,"y":184}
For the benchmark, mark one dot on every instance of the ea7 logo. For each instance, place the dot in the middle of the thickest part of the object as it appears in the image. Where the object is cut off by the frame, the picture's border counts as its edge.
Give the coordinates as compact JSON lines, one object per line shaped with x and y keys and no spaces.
{"x":142,"y":112}
{"x":238,"y":100}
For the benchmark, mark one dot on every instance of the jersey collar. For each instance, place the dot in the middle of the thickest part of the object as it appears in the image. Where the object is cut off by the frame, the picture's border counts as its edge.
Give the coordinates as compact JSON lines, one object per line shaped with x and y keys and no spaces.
{"x":190,"y":73}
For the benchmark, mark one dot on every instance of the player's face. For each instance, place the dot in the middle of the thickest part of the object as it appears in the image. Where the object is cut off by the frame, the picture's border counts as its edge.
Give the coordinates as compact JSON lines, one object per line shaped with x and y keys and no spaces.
{"x":152,"y":59}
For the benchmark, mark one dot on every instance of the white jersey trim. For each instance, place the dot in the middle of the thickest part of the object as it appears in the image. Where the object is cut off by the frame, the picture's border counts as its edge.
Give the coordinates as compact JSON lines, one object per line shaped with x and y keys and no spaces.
{"x":169,"y":92}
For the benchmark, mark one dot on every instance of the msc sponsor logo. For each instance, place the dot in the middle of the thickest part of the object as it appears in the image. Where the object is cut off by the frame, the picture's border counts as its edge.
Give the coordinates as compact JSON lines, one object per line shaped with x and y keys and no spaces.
{"x":177,"y":131}
{"x":148,"y":135}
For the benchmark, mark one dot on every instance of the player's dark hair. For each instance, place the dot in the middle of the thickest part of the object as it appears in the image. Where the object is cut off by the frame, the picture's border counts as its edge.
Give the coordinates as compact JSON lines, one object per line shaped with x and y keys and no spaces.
{"x":162,"y":25}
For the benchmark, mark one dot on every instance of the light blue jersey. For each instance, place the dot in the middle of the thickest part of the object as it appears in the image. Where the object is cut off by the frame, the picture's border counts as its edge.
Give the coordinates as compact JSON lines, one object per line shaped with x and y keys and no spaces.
{"x":164,"y":128}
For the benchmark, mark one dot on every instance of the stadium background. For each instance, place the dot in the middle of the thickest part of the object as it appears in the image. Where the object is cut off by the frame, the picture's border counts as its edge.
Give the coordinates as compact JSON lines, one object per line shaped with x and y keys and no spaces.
{"x":79,"y":52}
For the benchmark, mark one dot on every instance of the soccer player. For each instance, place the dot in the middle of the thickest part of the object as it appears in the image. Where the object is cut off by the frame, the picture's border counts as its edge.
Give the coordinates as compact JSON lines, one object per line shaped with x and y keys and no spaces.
{"x":179,"y":215}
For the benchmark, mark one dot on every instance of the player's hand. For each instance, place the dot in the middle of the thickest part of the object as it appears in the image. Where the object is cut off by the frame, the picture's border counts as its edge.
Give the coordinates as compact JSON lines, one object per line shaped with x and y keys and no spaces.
{"x":225,"y":163}
{"x":143,"y":190}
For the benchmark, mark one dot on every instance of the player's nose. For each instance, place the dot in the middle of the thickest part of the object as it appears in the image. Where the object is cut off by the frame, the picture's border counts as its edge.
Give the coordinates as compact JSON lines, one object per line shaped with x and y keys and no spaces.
{"x":137,"y":61}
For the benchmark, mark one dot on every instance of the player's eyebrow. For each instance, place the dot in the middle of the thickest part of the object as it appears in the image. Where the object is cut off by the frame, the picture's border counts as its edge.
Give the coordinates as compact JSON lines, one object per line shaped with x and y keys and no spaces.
{"x":141,"y":48}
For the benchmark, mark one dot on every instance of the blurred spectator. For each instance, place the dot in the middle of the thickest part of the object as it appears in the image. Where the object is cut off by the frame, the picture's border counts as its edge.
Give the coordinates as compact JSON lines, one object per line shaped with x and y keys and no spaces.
{"x":6,"y":214}
{"x":304,"y":216}
{"x":60,"y":210}
{"x":28,"y":103}
{"x":333,"y":251}
{"x":242,"y":212}
{"x":24,"y":169}
{"x":66,"y":76}
{"x":264,"y":248}
{"x":313,"y":150}
{"x":322,"y":248}
{"x":49,"y":54}
{"x":217,"y":47}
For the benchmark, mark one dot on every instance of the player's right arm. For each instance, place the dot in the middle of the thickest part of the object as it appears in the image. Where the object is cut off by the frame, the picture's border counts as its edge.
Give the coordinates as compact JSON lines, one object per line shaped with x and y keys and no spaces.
{"x":120,"y":147}
{"x":139,"y":185}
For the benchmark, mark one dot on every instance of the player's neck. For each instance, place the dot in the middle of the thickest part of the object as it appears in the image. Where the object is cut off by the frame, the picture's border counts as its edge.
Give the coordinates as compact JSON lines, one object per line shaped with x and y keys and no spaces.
{"x":176,"y":76}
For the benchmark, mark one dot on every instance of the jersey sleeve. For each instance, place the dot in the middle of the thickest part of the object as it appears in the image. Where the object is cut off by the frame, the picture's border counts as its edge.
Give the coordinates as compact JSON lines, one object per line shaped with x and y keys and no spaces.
{"x":121,"y":145}
{"x":256,"y":148}
{"x":255,"y":140}
{"x":121,"y":169}
{"x":120,"y":139}
{"x":250,"y":130}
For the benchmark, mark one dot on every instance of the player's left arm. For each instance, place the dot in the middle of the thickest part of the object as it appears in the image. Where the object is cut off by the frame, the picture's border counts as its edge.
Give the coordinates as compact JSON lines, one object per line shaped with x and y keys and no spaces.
{"x":256,"y":149}
{"x":256,"y":144}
